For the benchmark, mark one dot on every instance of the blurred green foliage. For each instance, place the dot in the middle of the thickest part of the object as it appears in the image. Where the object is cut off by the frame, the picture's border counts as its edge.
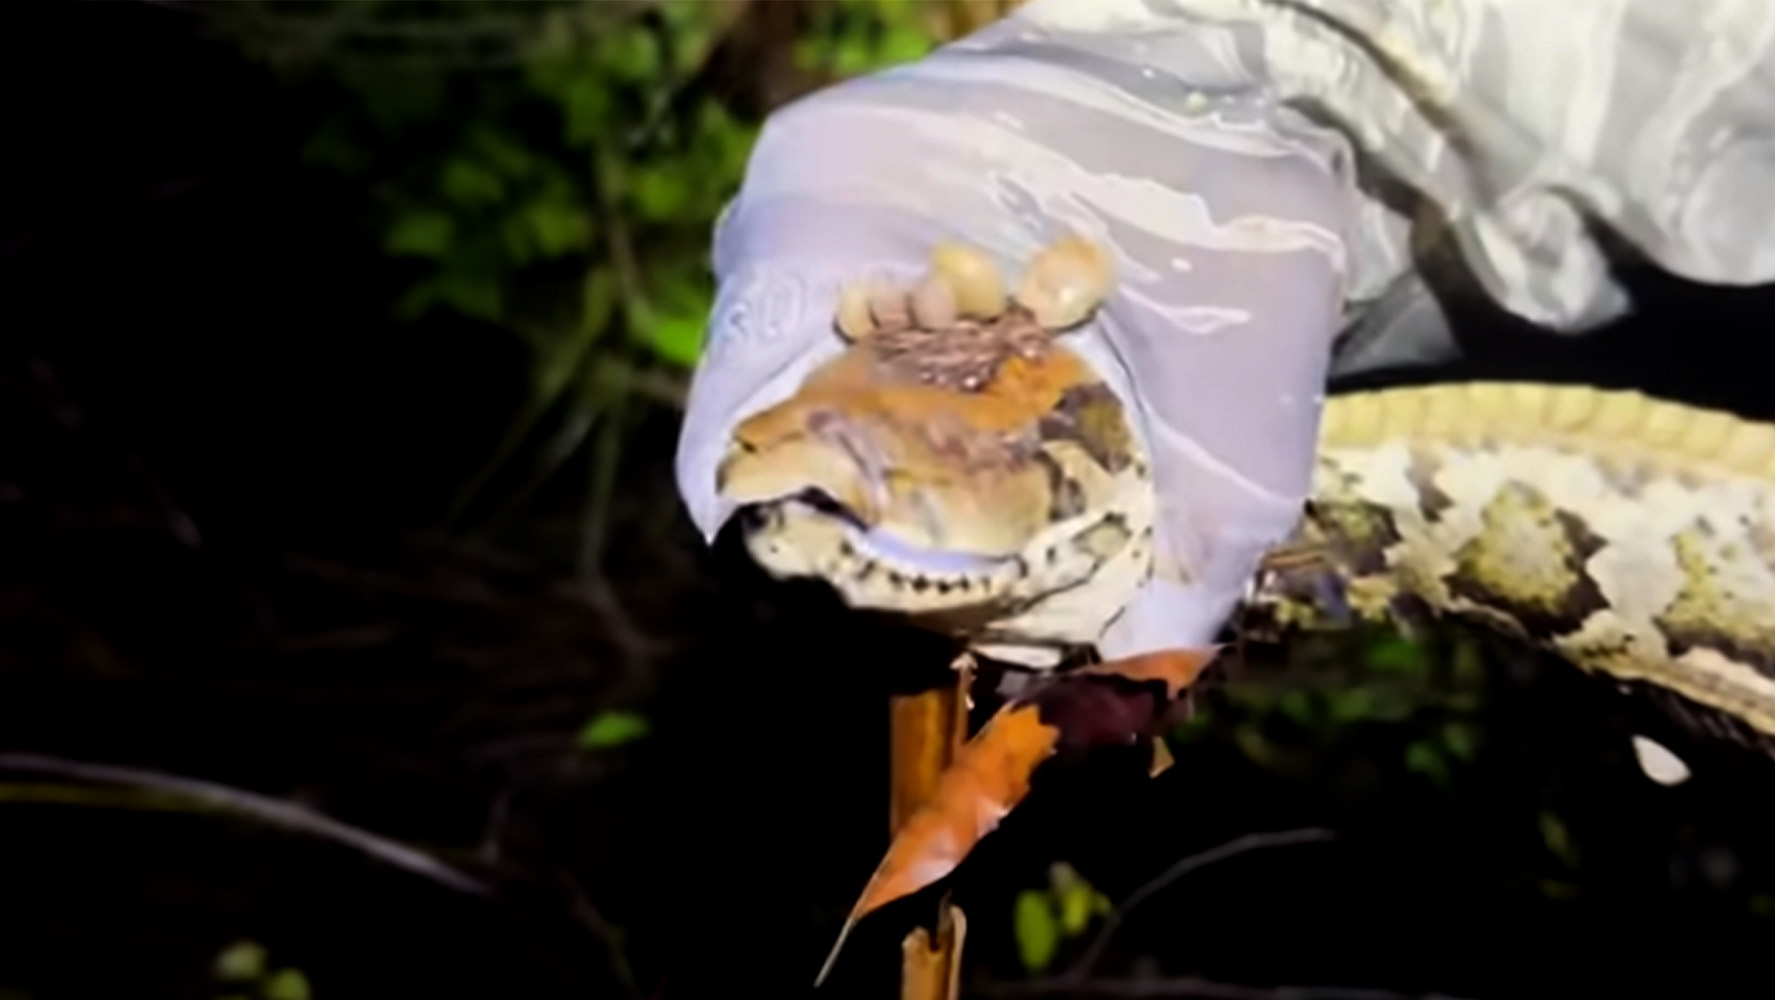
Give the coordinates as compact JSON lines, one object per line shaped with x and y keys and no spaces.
{"x":555,"y":169}
{"x":243,"y":969}
{"x":1427,"y":694}
{"x":613,"y":729}
{"x":1048,"y":919}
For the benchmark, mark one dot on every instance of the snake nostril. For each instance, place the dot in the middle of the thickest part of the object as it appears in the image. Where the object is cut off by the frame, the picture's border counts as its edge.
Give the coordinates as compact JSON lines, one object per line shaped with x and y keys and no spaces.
{"x":755,"y":517}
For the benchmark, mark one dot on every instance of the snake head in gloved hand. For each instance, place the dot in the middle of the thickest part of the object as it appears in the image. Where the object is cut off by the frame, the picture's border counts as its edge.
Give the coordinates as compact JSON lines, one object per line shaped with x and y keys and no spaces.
{"x":957,"y":463}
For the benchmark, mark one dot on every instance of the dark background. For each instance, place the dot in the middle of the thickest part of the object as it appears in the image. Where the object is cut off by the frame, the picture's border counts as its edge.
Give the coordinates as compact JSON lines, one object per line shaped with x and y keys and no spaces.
{"x":224,"y":472}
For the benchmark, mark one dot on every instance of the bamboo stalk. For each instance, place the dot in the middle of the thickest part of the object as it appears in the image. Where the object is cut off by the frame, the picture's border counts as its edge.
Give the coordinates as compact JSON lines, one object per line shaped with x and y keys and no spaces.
{"x":928,"y":729}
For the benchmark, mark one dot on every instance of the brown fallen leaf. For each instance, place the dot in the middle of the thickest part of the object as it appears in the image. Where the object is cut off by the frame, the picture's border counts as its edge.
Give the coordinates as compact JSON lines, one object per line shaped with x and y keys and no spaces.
{"x":989,"y":777}
{"x":1105,"y":703}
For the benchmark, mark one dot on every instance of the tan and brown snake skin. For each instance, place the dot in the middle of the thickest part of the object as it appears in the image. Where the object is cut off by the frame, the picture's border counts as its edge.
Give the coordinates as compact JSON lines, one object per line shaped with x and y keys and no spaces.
{"x":1634,"y":538}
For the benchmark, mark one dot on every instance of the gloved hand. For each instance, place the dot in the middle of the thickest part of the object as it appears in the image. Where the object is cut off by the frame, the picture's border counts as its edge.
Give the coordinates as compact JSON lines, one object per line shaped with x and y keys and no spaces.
{"x":1226,"y":215}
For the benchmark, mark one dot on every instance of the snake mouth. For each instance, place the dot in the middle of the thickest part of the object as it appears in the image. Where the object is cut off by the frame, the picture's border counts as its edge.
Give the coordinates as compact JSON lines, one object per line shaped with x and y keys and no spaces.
{"x":884,"y":548}
{"x":812,"y":519}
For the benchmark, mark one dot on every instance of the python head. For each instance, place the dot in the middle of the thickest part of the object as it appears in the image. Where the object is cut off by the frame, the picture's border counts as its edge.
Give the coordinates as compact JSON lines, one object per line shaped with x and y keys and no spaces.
{"x":957,"y":463}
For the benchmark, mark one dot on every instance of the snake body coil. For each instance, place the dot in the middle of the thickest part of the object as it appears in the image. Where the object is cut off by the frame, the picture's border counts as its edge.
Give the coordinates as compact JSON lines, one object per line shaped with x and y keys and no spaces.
{"x":1634,"y":538}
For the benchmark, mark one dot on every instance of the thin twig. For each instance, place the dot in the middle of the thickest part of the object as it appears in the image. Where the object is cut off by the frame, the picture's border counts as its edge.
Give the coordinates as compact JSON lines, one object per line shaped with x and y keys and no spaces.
{"x":263,"y":808}
{"x":130,"y":799}
{"x":666,"y":388}
{"x":606,"y":932}
{"x":1242,"y":845}
{"x":605,"y":460}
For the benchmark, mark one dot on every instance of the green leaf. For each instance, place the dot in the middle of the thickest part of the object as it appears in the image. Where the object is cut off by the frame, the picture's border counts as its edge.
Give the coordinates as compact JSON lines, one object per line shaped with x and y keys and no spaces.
{"x":1368,"y":703}
{"x":465,"y":182}
{"x":1077,"y":898}
{"x":1254,"y":745}
{"x":472,"y":295}
{"x":660,"y":195}
{"x":417,"y":300}
{"x":613,"y":729}
{"x":674,"y":325}
{"x":420,"y":232}
{"x":331,"y":147}
{"x":1557,"y":838}
{"x":1425,"y":758}
{"x":243,"y":961}
{"x":588,"y":109}
{"x":515,"y":236}
{"x":558,"y":228}
{"x":511,"y":159}
{"x":852,"y":59}
{"x":597,"y":302}
{"x":1461,"y":739}
{"x":1037,"y":930}
{"x":678,"y":340}
{"x":1200,"y":718}
{"x":630,"y":55}
{"x":1395,"y":654}
{"x":396,"y":104}
{"x":1469,"y":663}
{"x":903,"y":45}
{"x":286,"y":984}
{"x":1300,"y":707}
{"x":1352,"y":704}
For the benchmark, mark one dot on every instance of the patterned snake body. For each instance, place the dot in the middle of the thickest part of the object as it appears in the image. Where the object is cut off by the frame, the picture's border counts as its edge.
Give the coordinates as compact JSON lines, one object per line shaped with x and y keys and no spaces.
{"x":1635,"y":538}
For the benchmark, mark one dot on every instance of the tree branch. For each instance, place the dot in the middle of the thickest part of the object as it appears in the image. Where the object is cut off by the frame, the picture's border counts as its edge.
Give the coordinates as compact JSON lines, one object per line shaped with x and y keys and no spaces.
{"x":251,"y":804}
{"x":1194,"y":862}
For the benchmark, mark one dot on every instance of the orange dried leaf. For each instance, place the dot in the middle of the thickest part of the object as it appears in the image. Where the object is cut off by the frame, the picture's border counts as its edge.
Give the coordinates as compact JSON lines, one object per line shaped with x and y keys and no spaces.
{"x":989,"y":777}
{"x":991,"y":774}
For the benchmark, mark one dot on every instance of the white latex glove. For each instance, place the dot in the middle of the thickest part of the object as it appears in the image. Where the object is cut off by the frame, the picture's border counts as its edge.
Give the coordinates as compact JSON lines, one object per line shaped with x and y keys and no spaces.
{"x":1243,"y":242}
